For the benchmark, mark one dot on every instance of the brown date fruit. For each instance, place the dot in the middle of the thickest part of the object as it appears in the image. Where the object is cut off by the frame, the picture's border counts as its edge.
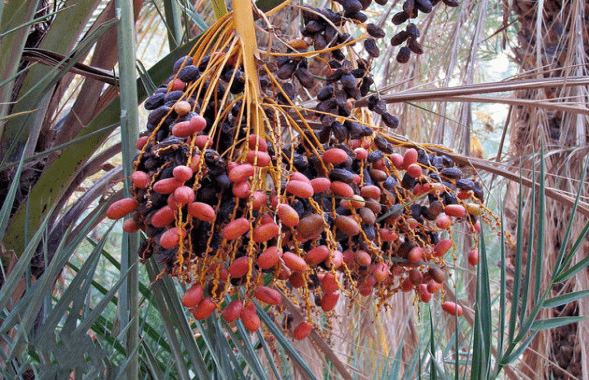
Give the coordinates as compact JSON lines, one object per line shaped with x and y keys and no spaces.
{"x":399,"y":38}
{"x":359,"y":16}
{"x":319,"y":42}
{"x":305,"y":77}
{"x":351,"y":6}
{"x":348,"y":81}
{"x":412,"y":30}
{"x":414,"y":46}
{"x":375,"y":31}
{"x":389,"y":120}
{"x":365,"y":3}
{"x":371,"y":48}
{"x":403,"y":55}
{"x":325,"y":93}
{"x":424,"y":6}
{"x":400,"y":18}
{"x":314,"y":26}
{"x":286,"y":70}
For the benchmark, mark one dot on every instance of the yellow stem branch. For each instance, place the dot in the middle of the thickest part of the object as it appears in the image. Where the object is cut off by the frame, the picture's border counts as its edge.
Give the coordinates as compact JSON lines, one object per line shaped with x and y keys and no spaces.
{"x":244,"y":27}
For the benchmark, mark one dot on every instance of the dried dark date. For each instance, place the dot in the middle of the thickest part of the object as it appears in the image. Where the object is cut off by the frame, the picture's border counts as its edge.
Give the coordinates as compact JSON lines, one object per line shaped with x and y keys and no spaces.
{"x":359,"y":16}
{"x":154,"y":101}
{"x":403,"y":55}
{"x":375,"y":31}
{"x":305,"y":77}
{"x":189,"y":73}
{"x":414,"y":46}
{"x":389,"y":120}
{"x":185,"y":60}
{"x":452,"y":173}
{"x":157,"y":114}
{"x":400,"y":17}
{"x":424,"y":6}
{"x":371,"y":48}
{"x":325,"y":93}
{"x":412,"y":30}
{"x":286,"y":71}
{"x":399,"y":38}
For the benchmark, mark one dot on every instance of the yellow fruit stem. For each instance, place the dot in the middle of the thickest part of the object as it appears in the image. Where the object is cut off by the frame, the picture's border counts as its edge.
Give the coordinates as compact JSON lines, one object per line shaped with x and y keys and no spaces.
{"x":243,"y":20}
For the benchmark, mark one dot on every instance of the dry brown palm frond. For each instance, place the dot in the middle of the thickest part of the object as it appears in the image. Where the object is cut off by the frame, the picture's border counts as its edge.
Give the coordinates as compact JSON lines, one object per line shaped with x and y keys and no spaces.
{"x":550,"y":44}
{"x":573,"y":108}
{"x":481,"y":88}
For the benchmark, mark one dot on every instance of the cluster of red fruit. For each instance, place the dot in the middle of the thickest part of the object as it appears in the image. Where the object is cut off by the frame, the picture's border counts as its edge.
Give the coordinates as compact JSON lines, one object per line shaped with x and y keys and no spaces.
{"x":312,"y":238}
{"x":243,"y":212}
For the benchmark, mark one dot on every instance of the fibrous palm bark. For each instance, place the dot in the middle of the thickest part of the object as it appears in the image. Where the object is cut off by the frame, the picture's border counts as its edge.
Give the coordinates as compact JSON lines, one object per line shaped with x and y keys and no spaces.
{"x":553,"y":42}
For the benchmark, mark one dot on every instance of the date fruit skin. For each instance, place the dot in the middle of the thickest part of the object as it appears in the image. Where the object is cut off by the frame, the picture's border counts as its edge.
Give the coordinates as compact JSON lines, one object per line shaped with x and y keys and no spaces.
{"x":302,"y":330}
{"x":452,"y":308}
{"x":121,"y":208}
{"x":193,"y":296}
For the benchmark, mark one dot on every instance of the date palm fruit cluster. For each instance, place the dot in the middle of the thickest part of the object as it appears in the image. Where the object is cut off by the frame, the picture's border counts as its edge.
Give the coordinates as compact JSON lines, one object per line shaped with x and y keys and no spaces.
{"x":248,"y":197}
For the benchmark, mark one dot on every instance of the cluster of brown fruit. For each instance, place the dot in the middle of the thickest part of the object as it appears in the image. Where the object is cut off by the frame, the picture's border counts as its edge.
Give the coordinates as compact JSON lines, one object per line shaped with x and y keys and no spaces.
{"x":243,"y":205}
{"x":411,"y":9}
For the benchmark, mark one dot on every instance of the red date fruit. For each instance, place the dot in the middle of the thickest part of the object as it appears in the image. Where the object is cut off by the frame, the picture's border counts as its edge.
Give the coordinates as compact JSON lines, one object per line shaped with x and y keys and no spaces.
{"x":302,"y":330}
{"x":121,"y":208}
{"x":193,"y":296}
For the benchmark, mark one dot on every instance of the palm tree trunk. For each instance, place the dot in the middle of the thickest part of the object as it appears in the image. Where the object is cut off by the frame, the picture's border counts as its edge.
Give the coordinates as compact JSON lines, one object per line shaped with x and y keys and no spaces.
{"x":554,"y":43}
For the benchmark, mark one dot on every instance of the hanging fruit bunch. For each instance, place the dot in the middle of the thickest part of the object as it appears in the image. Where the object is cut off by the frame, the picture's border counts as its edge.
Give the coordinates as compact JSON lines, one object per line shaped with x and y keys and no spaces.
{"x":409,"y":36}
{"x":246,"y":195}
